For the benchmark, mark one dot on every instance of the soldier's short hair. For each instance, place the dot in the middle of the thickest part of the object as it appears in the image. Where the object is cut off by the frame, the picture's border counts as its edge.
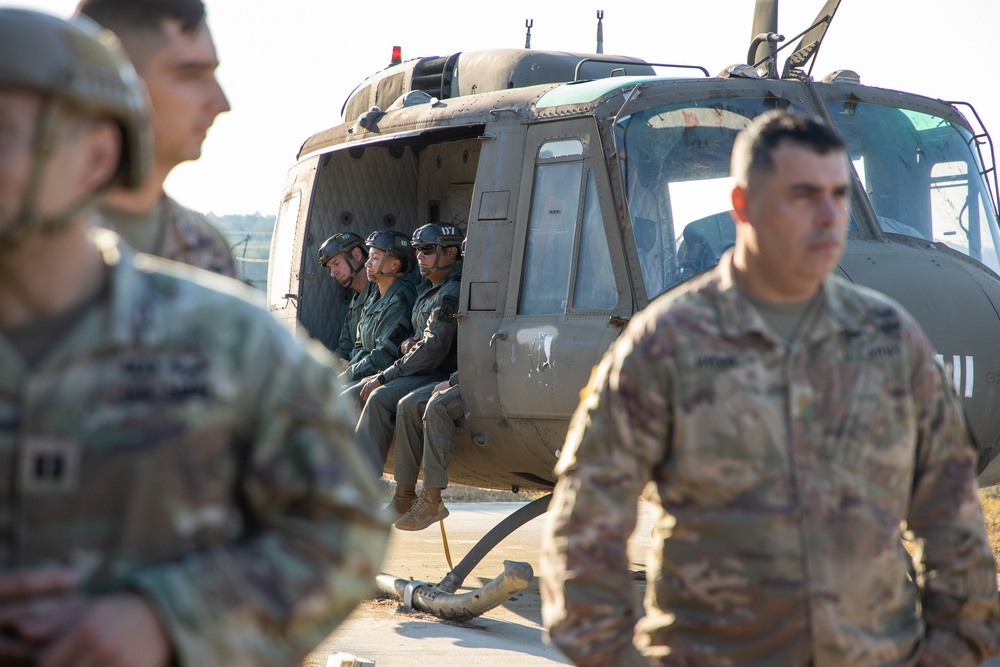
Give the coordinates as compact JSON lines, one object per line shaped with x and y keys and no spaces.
{"x":126,"y":17}
{"x":754,"y":147}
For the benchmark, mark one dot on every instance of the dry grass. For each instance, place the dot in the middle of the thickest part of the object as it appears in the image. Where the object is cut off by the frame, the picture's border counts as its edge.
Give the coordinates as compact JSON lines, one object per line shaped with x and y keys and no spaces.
{"x":989,"y":498}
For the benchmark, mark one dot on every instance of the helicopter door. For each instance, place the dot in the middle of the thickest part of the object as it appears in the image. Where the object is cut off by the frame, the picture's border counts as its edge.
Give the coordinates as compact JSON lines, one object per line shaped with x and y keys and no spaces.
{"x":566,"y":275}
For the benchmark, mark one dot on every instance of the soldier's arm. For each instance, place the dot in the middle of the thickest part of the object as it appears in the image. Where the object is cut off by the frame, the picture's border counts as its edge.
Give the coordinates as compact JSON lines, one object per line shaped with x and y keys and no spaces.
{"x":956,"y":569}
{"x":392,"y":329}
{"x":312,"y":540}
{"x":347,"y":341}
{"x":436,"y":341}
{"x":615,"y":440}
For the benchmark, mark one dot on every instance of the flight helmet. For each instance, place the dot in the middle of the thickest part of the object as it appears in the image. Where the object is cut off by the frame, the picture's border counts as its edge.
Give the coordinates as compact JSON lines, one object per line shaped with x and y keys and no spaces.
{"x":83,"y":66}
{"x":341,"y":242}
{"x":395,"y":244}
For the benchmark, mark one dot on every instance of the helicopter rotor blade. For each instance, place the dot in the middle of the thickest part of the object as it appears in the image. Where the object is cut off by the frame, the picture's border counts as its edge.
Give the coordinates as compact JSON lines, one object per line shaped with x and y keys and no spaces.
{"x":765,"y":20}
{"x":808,"y":46}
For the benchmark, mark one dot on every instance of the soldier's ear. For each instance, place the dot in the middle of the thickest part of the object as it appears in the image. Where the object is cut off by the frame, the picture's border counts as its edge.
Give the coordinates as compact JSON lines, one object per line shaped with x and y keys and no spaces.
{"x":103,"y":148}
{"x":740,"y":199}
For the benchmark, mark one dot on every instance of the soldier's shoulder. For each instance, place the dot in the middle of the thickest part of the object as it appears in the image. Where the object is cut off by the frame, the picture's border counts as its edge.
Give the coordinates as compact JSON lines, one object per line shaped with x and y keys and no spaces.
{"x":870,"y":306}
{"x":676,"y":310}
{"x":195,"y":219}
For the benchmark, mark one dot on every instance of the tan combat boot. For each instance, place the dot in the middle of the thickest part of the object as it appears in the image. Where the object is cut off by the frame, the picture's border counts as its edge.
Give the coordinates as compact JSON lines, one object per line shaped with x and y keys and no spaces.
{"x":402,"y":500}
{"x":428,"y":509}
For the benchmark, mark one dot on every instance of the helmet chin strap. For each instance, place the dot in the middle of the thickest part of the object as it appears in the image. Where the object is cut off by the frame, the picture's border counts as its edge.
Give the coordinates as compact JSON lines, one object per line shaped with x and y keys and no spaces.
{"x":354,"y":270}
{"x":27,"y":223}
{"x":375,"y":276}
{"x":437,"y":266}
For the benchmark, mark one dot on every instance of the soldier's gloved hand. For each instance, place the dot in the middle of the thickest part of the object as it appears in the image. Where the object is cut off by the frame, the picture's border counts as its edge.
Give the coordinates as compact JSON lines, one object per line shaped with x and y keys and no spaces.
{"x":120,"y":630}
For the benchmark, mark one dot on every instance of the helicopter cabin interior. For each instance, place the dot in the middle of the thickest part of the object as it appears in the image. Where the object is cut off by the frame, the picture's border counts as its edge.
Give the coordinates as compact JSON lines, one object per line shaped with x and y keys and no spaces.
{"x":396,"y":186}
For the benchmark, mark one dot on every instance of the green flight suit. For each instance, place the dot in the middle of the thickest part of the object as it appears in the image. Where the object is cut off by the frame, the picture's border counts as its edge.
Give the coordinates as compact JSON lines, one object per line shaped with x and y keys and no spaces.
{"x":432,"y":359}
{"x":349,"y":330}
{"x":384,"y":325}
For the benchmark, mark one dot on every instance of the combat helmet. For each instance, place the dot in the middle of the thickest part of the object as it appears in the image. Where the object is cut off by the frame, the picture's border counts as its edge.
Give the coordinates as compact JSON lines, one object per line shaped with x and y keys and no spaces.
{"x":83,"y":66}
{"x":395,"y":244}
{"x":341,"y":242}
{"x":437,"y":234}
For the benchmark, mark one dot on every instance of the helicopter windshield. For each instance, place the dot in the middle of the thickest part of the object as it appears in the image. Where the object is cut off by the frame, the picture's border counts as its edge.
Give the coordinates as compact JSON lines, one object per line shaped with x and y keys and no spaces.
{"x":922,"y":176}
{"x":675,"y":170}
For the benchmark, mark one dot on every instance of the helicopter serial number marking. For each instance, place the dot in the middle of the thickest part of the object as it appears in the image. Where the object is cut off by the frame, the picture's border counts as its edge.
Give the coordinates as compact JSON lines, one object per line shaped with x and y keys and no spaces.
{"x":963,"y":373}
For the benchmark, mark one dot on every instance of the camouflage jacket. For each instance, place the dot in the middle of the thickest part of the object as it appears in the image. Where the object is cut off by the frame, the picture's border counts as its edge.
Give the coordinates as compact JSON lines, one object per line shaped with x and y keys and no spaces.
{"x":435,"y":324}
{"x":174,"y":232}
{"x":385,"y":323}
{"x":782,"y":475}
{"x":349,"y":331}
{"x":179,"y":442}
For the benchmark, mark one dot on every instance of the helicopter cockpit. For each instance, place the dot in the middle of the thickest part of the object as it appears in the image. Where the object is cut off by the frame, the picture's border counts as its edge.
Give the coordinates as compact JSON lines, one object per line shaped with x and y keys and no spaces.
{"x":674,"y":162}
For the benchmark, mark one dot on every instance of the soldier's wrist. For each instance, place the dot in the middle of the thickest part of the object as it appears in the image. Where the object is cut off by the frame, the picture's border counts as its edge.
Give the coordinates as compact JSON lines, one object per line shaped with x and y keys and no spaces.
{"x":380,"y":379}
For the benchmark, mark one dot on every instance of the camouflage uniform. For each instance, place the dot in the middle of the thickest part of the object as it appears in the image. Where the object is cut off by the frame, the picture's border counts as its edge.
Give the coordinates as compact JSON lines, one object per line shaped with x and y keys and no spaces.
{"x":174,"y":232}
{"x":349,"y":331}
{"x":385,"y":324}
{"x":425,"y":434}
{"x":432,"y":359}
{"x":178,"y":442}
{"x":781,"y":475}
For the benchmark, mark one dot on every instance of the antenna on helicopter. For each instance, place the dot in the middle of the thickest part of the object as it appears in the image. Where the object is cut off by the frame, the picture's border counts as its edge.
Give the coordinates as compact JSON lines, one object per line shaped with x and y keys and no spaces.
{"x":528,"y":23}
{"x":600,"y":31}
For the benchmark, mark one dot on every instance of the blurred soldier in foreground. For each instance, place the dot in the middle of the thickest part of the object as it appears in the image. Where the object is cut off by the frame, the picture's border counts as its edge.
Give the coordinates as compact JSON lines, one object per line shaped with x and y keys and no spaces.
{"x":182,"y":484}
{"x":789,"y":424}
{"x":344,"y":256}
{"x":171,"y":47}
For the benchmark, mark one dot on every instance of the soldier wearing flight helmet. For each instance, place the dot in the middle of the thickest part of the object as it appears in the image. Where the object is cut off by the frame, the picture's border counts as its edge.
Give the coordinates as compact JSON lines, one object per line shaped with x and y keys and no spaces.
{"x":385,"y":319}
{"x":429,"y":357}
{"x":344,"y":255}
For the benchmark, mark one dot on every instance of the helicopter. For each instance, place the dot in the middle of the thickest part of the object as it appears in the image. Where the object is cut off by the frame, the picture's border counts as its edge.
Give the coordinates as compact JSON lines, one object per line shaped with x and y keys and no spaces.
{"x":589,"y":184}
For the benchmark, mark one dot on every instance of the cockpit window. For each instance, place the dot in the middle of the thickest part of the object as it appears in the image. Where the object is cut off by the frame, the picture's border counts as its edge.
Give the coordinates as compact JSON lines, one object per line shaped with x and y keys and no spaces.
{"x":922,"y":175}
{"x":675,"y":168}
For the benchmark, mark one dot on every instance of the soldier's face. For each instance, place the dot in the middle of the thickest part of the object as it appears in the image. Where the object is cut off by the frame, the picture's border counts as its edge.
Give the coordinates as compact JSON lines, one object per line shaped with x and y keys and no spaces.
{"x":80,"y":162}
{"x":340,"y":269}
{"x":793,"y":221}
{"x":185,"y":95}
{"x":18,"y":114}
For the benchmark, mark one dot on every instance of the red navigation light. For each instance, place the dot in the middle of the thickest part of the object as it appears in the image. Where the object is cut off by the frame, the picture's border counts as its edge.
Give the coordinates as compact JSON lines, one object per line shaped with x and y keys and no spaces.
{"x":397,"y":55}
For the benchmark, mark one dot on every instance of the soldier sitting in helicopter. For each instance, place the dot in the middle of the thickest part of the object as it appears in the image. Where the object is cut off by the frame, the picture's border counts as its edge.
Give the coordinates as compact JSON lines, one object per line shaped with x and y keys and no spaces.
{"x":428,"y":358}
{"x":344,"y":255}
{"x":425,"y":438}
{"x":385,"y":318}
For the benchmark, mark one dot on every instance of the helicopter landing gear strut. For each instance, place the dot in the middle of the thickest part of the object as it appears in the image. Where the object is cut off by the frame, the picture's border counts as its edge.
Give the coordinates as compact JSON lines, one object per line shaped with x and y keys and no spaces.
{"x":441,"y":599}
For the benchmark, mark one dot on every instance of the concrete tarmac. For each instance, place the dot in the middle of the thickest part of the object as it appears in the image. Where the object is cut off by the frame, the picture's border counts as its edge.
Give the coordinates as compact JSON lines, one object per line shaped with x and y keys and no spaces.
{"x":509,"y":635}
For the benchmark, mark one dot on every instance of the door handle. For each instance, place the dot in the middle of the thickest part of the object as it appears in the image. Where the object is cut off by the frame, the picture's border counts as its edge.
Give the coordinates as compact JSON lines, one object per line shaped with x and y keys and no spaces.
{"x":500,"y":335}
